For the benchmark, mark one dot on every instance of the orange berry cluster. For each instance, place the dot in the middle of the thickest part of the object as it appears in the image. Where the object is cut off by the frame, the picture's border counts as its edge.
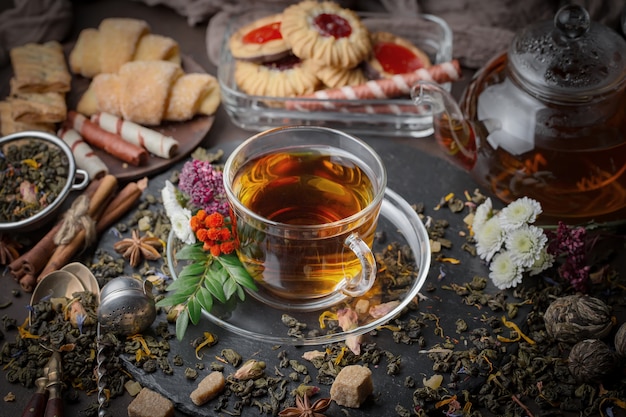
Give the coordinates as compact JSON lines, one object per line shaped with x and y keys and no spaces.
{"x":212,"y":229}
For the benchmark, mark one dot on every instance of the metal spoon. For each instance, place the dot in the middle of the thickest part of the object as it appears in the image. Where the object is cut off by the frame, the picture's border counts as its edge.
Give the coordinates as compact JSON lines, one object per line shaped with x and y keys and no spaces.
{"x":85,"y":276}
{"x":56,"y":284}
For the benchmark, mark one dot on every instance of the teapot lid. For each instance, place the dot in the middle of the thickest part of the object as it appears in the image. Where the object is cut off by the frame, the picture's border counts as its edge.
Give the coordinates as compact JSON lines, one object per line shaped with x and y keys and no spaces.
{"x":569,"y":58}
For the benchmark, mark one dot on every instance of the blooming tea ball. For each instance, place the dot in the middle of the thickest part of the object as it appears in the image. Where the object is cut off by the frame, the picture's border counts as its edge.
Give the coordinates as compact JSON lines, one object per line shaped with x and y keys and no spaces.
{"x":577,"y":317}
{"x":591,"y":360}
{"x":620,"y":341}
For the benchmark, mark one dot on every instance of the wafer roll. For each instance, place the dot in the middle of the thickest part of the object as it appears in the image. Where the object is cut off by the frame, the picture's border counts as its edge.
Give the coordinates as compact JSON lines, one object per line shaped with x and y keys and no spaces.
{"x":384,"y":88}
{"x":153,"y":141}
{"x":83,"y":153}
{"x":107,"y":141}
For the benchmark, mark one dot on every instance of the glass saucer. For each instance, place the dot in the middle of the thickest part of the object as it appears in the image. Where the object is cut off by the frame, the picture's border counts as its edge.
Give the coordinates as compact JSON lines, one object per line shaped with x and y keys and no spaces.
{"x":254,"y":319}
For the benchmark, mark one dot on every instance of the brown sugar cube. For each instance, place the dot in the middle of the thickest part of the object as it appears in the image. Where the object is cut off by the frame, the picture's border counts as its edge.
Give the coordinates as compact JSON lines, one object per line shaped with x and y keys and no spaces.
{"x":352,"y":386}
{"x":150,"y":404}
{"x":208,"y":388}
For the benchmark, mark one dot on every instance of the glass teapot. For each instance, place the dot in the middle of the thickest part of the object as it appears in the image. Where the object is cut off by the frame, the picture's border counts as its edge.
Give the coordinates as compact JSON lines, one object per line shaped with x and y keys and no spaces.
{"x":545,"y":119}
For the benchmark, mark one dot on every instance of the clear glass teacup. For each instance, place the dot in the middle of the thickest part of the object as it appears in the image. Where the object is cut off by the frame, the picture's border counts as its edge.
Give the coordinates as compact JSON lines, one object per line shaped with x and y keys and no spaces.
{"x":305,"y":202}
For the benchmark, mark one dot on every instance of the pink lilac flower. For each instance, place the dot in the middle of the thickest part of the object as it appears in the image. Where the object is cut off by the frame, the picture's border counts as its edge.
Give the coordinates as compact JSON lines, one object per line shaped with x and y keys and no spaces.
{"x":204,"y":186}
{"x":568,"y":243}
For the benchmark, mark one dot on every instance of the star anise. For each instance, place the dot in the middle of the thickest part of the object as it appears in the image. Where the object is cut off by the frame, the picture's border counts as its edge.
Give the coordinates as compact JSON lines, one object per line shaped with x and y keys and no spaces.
{"x":304,"y":408}
{"x":8,"y":249}
{"x":135,"y":248}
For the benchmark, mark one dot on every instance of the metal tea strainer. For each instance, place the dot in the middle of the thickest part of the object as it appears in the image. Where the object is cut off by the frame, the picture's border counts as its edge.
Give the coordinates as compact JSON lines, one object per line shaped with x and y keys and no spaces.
{"x":126,"y":306}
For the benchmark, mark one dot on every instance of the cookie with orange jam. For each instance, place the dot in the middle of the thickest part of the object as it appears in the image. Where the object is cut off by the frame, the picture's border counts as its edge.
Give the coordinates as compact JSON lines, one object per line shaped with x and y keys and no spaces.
{"x":325,"y":32}
{"x":259,"y":41}
{"x":287,"y":77}
{"x":393,"y":55}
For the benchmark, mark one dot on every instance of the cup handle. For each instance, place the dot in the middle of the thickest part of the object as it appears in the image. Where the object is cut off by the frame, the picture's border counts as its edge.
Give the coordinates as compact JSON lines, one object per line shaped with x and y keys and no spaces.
{"x":362,"y":283}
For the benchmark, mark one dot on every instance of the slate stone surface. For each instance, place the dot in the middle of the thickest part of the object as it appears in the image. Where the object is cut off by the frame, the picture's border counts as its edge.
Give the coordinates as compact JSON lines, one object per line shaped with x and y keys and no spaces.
{"x":418,"y":177}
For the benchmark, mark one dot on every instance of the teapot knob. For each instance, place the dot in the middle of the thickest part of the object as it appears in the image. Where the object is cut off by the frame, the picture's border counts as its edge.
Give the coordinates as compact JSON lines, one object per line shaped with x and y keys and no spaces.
{"x":572,"y":21}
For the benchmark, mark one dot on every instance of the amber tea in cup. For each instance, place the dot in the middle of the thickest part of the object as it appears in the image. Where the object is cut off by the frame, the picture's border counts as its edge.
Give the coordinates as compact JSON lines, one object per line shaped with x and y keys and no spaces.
{"x":305,"y":202}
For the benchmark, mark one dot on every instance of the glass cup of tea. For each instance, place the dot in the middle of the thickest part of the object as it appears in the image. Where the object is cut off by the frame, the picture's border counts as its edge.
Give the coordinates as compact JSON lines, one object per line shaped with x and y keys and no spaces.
{"x":305,"y":202}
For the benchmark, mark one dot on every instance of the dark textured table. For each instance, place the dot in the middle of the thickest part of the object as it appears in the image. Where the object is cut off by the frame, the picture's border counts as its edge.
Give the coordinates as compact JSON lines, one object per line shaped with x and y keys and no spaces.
{"x":414,"y":170}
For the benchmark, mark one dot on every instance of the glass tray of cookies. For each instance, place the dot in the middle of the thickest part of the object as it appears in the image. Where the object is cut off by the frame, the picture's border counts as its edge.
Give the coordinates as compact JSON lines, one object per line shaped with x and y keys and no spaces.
{"x":354,"y":75}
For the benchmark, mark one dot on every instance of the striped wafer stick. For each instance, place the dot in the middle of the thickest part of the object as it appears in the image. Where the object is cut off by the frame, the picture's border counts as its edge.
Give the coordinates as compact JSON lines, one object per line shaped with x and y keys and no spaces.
{"x":83,"y":153}
{"x":153,"y":141}
{"x":107,"y":141}
{"x":384,"y":88}
{"x":397,"y":109}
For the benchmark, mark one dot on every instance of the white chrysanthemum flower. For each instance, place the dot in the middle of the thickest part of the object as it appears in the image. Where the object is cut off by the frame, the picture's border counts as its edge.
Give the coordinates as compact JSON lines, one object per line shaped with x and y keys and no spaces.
{"x":181,"y":227}
{"x":489,"y":239}
{"x":504,"y":272}
{"x":543,"y":262}
{"x":178,"y":215}
{"x":168,"y":195}
{"x":519,"y":212}
{"x":525,"y":244}
{"x":483,"y":213}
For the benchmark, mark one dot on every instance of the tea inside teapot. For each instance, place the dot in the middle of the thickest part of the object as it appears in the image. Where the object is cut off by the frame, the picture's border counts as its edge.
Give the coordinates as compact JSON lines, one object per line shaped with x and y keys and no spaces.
{"x":545,"y":120}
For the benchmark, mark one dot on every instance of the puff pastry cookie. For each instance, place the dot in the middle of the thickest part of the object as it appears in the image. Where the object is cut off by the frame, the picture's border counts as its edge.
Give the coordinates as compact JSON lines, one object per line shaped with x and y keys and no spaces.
{"x":41,"y":79}
{"x":39,"y":68}
{"x":117,"y":41}
{"x":325,"y":32}
{"x":149,"y":92}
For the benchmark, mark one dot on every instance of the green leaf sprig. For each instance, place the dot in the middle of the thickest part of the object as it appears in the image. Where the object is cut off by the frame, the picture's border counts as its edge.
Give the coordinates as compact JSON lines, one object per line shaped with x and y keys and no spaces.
{"x":206,"y":279}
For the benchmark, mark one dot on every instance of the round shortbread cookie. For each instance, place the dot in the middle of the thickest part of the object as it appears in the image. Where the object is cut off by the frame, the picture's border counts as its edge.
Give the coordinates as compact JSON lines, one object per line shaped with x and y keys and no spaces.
{"x":325,"y":32}
{"x":335,"y":77}
{"x":393,"y":55}
{"x":259,"y":41}
{"x":287,"y":77}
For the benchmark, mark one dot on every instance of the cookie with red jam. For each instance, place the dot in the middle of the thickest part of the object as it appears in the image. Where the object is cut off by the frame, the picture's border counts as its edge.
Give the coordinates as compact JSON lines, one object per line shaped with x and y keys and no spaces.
{"x":336,"y":77}
{"x":259,"y":41}
{"x":289,"y":76}
{"x":325,"y":32}
{"x":393,"y":55}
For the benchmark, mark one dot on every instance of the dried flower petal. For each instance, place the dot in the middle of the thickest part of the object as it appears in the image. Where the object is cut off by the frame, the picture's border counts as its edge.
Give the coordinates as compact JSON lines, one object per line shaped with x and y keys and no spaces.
{"x":252,"y":369}
{"x":383,"y":309}
{"x":348,"y":319}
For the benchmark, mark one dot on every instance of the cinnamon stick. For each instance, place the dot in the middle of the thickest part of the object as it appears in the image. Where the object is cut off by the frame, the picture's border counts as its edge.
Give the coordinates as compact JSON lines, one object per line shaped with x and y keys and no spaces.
{"x":102,"y":196}
{"x":25,"y":268}
{"x":122,"y":202}
{"x":113,"y":211}
{"x":63,"y":253}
